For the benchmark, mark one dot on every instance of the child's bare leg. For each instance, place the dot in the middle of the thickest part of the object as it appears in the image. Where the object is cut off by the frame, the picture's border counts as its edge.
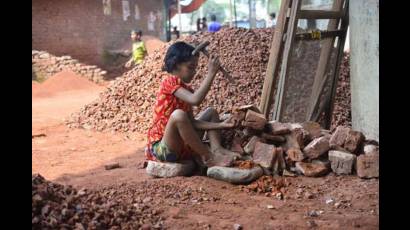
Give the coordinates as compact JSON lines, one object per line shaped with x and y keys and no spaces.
{"x":210,"y":114}
{"x":179,"y":130}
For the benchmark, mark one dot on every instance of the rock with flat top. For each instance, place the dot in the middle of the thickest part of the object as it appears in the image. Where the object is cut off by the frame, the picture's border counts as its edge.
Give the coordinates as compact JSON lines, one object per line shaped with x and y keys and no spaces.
{"x":169,"y":169}
{"x":235,"y":175}
{"x":342,"y":162}
{"x":317,"y":147}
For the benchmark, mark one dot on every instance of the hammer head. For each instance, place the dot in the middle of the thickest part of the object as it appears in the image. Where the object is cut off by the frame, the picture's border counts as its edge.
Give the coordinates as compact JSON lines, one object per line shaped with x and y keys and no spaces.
{"x":200,"y":47}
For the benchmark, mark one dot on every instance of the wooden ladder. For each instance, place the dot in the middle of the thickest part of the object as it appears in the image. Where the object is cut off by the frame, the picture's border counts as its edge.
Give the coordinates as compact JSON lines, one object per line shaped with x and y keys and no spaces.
{"x":281,"y":49}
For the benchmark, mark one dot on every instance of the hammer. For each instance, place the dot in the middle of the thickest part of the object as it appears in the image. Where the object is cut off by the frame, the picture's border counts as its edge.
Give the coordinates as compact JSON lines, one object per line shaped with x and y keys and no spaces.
{"x":202,"y":47}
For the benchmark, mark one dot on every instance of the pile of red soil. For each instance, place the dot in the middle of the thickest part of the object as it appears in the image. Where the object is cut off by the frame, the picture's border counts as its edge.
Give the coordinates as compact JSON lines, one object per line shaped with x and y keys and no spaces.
{"x":244,"y":164}
{"x":152,"y":43}
{"x":268,"y":185}
{"x":60,"y":82}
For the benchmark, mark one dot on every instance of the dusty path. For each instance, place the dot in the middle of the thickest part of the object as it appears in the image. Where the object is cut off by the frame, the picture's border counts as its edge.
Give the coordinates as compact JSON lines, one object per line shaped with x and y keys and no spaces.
{"x":77,"y":157}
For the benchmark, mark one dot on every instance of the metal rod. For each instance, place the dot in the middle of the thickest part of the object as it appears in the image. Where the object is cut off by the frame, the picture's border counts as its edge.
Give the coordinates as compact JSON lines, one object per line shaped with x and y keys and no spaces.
{"x":179,"y":16}
{"x":234,"y":7}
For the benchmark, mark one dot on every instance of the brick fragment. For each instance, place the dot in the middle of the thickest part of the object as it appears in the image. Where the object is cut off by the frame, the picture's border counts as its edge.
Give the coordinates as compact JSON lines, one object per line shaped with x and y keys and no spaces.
{"x":317,"y":147}
{"x":353,"y":141}
{"x":295,"y":154}
{"x":341,"y":162}
{"x":311,"y":169}
{"x":368,"y":165}
{"x":339,"y":137}
{"x":254,"y":120}
{"x":264,"y":154}
{"x":313,"y":128}
{"x":278,"y":128}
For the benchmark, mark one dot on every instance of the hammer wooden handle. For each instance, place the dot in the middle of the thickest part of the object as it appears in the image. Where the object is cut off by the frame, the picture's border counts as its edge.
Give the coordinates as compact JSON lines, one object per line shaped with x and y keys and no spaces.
{"x":222,"y":69}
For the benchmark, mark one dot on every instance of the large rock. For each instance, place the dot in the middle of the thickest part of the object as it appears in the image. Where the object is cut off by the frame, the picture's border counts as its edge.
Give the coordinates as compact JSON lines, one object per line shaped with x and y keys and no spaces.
{"x":368,"y":165}
{"x":168,"y":169}
{"x":264,"y":155}
{"x":235,"y":175}
{"x":317,"y":147}
{"x":311,"y":169}
{"x":341,"y":162}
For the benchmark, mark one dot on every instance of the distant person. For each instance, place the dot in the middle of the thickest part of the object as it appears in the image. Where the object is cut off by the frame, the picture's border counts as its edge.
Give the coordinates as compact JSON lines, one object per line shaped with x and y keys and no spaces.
{"x":271,"y":21}
{"x":204,"y":25}
{"x":214,"y":26}
{"x":198,"y":25}
{"x":138,"y":49}
{"x":175,"y":33}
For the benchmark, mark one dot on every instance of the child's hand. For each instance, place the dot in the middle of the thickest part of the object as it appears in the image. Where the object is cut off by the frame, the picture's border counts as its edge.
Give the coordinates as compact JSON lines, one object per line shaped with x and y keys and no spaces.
{"x":128,"y":64}
{"x":213,"y":64}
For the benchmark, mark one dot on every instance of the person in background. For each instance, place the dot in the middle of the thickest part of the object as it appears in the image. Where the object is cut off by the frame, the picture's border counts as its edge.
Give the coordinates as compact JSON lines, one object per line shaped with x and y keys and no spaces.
{"x":214,"y":26}
{"x":175,"y":33}
{"x":138,"y":49}
{"x":271,"y":21}
{"x":204,"y":25}
{"x":198,"y":25}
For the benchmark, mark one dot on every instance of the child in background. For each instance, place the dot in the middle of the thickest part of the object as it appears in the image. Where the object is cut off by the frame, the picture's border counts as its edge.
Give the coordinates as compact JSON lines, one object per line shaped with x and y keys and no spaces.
{"x":138,"y":49}
{"x":175,"y":134}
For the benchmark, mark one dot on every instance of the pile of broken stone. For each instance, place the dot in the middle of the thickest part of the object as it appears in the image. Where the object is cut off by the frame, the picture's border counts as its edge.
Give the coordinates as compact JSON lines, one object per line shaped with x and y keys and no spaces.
{"x":292,"y":149}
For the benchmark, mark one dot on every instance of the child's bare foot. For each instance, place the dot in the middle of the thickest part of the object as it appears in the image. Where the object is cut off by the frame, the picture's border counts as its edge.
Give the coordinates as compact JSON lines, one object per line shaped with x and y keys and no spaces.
{"x":226,"y":152}
{"x":219,"y":160}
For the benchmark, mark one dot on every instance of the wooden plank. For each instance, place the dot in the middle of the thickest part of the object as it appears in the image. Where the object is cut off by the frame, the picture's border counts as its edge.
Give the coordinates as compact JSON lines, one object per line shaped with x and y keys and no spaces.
{"x":320,"y":76}
{"x":323,"y":35}
{"x":320,"y":14}
{"x":286,"y":57}
{"x":274,"y":60}
{"x":341,"y":43}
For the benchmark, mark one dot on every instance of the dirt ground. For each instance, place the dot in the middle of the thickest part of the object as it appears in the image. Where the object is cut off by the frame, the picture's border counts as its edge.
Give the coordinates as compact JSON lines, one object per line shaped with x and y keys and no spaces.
{"x":77,"y":157}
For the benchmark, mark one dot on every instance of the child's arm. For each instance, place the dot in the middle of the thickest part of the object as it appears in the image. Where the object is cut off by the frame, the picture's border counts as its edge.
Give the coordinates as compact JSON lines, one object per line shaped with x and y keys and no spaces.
{"x":129,"y":62}
{"x":144,"y":49}
{"x":207,"y":125}
{"x":199,"y":95}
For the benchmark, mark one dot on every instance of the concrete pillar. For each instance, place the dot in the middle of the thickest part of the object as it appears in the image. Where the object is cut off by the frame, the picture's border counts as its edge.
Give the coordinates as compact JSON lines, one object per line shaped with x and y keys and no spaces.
{"x":364,"y":66}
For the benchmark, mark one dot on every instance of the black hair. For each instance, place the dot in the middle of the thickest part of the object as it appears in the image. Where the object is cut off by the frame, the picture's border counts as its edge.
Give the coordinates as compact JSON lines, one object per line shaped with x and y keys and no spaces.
{"x":273,"y":15}
{"x":204,"y":19}
{"x":213,"y":17}
{"x":177,"y":53}
{"x":137,"y":31}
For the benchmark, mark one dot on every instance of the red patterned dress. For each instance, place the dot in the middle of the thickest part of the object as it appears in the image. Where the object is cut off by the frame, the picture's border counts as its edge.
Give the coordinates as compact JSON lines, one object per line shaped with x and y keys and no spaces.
{"x":166,"y":103}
